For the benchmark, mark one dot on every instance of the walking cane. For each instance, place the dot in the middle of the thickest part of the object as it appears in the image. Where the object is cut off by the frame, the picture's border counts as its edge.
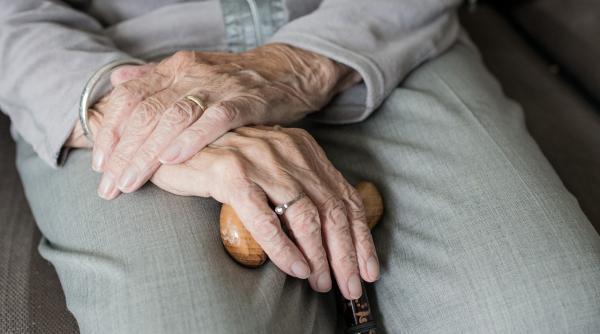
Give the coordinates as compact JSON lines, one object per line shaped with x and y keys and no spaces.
{"x":357,"y":314}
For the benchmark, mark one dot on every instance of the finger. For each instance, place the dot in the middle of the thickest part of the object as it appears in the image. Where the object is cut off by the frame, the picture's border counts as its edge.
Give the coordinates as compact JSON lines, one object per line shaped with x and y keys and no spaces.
{"x":339,"y":244}
{"x":361,"y":235}
{"x":332,"y":211}
{"x":214,"y":122}
{"x":77,"y":138}
{"x":368,"y":262}
{"x":337,"y":226}
{"x":128,"y":72}
{"x":194,"y":179}
{"x":264,"y":226}
{"x":304,"y":225}
{"x":145,"y":160}
{"x":121,"y":103}
{"x":140,"y":125}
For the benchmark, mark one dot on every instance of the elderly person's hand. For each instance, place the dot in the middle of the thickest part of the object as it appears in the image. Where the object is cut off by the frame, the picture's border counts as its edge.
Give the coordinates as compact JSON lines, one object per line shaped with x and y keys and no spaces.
{"x":150,"y":121}
{"x":120,"y":75}
{"x":252,"y":167}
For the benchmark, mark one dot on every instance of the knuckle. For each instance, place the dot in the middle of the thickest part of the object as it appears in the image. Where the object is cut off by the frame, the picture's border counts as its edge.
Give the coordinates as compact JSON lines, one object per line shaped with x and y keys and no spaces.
{"x":234,"y":160}
{"x":260,"y":143}
{"x":360,"y":217}
{"x":250,"y":75}
{"x":120,"y":91}
{"x":182,"y":57}
{"x":319,"y":258}
{"x":281,"y":249}
{"x":133,"y":138}
{"x":259,"y":147}
{"x":307,"y":225}
{"x":225,"y":112}
{"x":119,"y":74}
{"x":339,"y":226}
{"x":153,"y":103}
{"x":182,"y":54}
{"x":309,"y":230}
{"x":336,"y":175}
{"x":266,"y":228}
{"x":362,"y":235}
{"x":235,"y":165}
{"x":193,"y":134}
{"x":182,"y":112}
{"x":147,"y":113}
{"x":118,"y":159}
{"x":356,"y":205}
{"x":127,"y":94}
{"x":347,"y":260}
{"x":354,"y":198}
{"x":333,"y":205}
{"x":284,"y":140}
{"x":235,"y":81}
{"x":334,"y":209}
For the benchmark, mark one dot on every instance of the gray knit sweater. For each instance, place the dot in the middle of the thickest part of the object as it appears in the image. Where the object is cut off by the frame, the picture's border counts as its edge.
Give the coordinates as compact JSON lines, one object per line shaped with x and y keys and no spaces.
{"x":48,"y":49}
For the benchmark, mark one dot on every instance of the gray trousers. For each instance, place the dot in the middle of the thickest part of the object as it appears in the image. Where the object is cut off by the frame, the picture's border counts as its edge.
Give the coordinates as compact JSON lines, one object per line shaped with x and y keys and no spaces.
{"x":479,"y":234}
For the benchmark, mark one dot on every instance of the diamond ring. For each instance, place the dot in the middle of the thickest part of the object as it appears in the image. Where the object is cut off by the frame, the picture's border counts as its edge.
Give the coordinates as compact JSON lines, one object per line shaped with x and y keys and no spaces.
{"x":280,"y":209}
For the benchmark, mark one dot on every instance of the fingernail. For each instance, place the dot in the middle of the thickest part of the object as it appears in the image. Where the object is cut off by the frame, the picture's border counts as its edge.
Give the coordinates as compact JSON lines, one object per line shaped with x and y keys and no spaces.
{"x":300,"y":269}
{"x":98,"y":160}
{"x":171,"y":153}
{"x":106,"y":187}
{"x":373,"y":268}
{"x":324,"y":282}
{"x":354,"y":286}
{"x":128,"y":178}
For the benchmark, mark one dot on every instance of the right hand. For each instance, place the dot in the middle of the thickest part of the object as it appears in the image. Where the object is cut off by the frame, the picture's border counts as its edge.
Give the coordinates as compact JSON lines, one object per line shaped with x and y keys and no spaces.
{"x":251,"y":167}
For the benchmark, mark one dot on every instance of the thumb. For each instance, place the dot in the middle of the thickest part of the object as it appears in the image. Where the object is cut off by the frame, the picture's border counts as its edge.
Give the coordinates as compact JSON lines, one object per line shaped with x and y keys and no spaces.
{"x":127,"y":72}
{"x":77,"y":139}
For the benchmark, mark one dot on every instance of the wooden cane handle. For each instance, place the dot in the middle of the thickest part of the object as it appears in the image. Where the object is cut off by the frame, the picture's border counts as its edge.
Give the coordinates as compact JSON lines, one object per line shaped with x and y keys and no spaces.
{"x":245,"y":250}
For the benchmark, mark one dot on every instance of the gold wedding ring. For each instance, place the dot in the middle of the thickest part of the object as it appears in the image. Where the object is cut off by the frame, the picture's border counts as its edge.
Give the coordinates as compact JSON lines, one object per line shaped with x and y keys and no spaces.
{"x":197,"y":101}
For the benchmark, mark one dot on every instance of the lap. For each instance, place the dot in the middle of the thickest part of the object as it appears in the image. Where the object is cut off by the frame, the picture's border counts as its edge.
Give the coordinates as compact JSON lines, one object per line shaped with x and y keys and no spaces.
{"x":479,"y":232}
{"x":153,"y":262}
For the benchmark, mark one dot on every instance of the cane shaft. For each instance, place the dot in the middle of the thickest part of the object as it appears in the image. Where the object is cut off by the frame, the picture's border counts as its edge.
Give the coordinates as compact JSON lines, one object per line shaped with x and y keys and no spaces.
{"x":357,"y":314}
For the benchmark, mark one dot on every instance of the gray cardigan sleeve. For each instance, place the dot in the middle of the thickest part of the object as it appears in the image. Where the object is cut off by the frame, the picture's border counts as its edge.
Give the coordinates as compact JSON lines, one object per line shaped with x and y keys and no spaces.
{"x":47,"y":52}
{"x":383,"y":40}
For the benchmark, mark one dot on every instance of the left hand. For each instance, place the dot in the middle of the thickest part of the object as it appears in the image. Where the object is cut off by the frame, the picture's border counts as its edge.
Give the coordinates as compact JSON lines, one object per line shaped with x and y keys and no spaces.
{"x":120,"y":75}
{"x":150,"y":121}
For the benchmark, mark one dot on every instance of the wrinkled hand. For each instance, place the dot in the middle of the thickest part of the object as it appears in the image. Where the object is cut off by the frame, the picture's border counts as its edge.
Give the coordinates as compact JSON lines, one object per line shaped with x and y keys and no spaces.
{"x":149,"y":121}
{"x":250,"y":167}
{"x":96,"y":113}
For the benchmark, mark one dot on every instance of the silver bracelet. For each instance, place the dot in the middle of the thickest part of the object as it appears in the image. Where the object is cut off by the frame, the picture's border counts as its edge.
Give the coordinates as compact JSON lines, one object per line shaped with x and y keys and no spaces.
{"x":90,"y":85}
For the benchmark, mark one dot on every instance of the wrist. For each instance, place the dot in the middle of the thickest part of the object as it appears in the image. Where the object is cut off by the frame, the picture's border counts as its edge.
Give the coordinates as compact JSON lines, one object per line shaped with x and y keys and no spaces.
{"x":317,"y":77}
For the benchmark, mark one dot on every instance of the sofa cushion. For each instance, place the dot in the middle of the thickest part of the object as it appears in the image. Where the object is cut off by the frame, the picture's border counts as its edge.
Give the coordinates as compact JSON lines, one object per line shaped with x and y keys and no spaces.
{"x":564,"y":124}
{"x":570,"y":32}
{"x":31,"y":299}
